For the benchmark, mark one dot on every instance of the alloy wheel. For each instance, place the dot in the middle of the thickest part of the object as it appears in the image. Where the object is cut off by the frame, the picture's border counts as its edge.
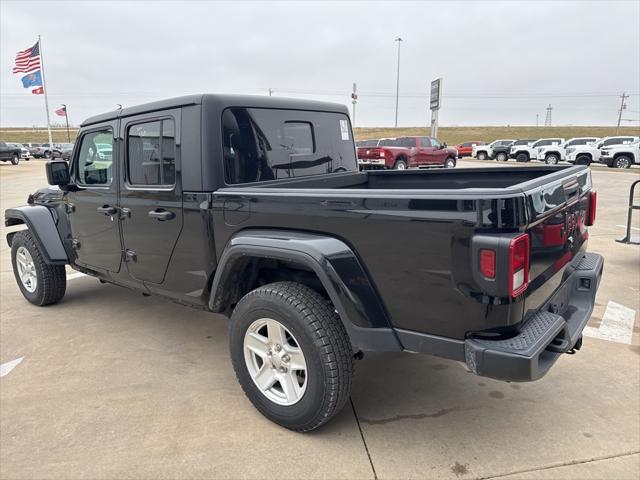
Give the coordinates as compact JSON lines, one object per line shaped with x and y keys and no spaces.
{"x":26,"y":270}
{"x":275,"y":361}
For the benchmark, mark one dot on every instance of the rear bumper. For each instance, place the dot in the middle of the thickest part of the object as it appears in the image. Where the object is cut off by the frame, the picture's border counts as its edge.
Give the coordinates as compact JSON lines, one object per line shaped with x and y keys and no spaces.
{"x":545,"y":335}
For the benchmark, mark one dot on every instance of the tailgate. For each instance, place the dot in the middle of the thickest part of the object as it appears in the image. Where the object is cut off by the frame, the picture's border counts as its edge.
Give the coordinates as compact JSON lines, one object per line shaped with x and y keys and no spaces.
{"x":559,"y":213}
{"x":529,"y":263}
{"x":368,"y":153}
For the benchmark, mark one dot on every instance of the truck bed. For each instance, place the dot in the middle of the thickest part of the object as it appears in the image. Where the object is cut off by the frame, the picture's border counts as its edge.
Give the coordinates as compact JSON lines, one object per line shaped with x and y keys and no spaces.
{"x":517,"y":179}
{"x":412,"y":231}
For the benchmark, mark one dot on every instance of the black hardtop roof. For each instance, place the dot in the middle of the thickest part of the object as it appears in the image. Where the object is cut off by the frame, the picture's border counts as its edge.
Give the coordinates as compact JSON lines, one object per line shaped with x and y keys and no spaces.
{"x":219,"y":101}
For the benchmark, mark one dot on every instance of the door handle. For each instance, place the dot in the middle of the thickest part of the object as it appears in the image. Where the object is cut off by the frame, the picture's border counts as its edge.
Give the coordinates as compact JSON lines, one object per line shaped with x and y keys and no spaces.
{"x":161,"y":215}
{"x":107,"y":210}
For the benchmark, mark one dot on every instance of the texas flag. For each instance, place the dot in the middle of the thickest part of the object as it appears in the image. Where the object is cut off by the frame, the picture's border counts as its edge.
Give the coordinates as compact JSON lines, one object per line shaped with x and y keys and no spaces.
{"x":33,"y":79}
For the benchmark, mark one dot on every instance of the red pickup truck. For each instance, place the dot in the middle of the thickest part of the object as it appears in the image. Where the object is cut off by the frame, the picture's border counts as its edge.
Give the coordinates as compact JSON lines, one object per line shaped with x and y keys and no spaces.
{"x":407,"y":152}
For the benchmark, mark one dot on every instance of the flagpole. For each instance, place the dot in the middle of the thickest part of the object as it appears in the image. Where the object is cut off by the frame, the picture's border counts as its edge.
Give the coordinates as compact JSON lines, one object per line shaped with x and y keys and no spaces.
{"x":44,"y":86}
{"x":66,"y":119}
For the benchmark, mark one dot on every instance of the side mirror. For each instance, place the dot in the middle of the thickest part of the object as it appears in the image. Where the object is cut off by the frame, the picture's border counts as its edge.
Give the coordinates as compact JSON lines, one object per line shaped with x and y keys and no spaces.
{"x":58,"y":173}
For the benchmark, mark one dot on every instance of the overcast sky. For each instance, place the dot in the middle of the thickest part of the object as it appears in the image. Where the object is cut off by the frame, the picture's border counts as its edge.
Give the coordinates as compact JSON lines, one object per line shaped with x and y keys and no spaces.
{"x":502,"y":62}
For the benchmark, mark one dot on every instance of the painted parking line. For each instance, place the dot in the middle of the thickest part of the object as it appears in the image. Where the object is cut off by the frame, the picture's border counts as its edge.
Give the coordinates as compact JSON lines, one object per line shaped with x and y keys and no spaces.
{"x":616,"y":326}
{"x":72,"y":276}
{"x":624,"y":226}
{"x":5,"y":368}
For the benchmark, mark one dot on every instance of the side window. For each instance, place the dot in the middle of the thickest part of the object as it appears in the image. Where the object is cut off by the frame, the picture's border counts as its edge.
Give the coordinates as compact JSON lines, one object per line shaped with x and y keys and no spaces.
{"x":435,"y":142}
{"x":269,"y":144}
{"x":424,"y":142}
{"x":95,"y":158}
{"x":151,"y":153}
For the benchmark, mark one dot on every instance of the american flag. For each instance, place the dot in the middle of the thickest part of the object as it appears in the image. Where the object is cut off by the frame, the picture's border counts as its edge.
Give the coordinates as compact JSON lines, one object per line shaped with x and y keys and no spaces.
{"x":28,"y":60}
{"x":61,"y":112}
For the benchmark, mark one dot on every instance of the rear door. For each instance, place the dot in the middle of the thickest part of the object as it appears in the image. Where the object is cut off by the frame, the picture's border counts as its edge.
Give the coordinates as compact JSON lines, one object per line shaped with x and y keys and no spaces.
{"x":151,"y":193}
{"x":93,"y":206}
{"x":4,"y":151}
{"x":424,"y":151}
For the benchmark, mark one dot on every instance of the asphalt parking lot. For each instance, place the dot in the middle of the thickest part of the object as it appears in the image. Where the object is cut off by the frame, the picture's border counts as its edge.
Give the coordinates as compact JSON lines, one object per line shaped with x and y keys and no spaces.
{"x":116,"y":385}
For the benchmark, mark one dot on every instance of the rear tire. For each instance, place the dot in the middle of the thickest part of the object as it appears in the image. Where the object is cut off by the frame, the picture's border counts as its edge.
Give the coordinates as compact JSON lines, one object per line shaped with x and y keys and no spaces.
{"x":481,"y":156}
{"x":622,"y":161}
{"x":314,"y":336}
{"x":450,"y":163}
{"x":15,"y":159}
{"x":502,"y":157}
{"x":47,"y":155}
{"x":401,"y":164}
{"x":41,"y":283}
{"x":522,"y":157}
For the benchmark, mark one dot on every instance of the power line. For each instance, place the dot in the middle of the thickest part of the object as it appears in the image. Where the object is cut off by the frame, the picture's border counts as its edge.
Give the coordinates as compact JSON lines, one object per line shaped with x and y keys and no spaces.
{"x":623,"y":105}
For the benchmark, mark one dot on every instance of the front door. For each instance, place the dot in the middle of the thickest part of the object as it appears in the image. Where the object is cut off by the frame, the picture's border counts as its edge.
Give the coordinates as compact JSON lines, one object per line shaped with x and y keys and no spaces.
{"x":151,"y":194}
{"x":93,"y":206}
{"x":436,"y":154}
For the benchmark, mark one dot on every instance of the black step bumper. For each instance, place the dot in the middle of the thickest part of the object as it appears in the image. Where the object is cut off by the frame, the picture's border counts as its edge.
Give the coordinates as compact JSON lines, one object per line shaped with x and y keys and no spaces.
{"x":545,"y":335}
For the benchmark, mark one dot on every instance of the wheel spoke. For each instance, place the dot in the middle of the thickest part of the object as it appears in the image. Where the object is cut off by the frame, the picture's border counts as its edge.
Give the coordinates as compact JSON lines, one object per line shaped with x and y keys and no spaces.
{"x":290,"y":386}
{"x":257,"y":344}
{"x":296,"y":361}
{"x":265,"y":378}
{"x":276,"y":331}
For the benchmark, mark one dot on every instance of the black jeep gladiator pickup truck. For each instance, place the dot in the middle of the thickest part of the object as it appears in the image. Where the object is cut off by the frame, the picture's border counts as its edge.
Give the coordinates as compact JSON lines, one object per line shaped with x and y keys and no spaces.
{"x":253,"y":207}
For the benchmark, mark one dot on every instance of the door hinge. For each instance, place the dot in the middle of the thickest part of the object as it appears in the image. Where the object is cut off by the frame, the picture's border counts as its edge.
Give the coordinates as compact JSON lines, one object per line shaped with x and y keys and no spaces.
{"x":70,"y":208}
{"x":130,"y":256}
{"x":75,"y":244}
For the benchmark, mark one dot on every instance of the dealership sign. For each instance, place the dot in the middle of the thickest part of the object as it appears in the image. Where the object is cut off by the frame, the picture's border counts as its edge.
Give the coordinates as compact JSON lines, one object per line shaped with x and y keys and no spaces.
{"x":436,"y":94}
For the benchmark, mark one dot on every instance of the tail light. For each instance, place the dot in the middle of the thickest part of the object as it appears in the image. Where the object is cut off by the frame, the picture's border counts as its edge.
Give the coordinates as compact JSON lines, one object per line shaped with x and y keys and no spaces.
{"x":382,"y":153}
{"x":519,"y":265}
{"x":593,"y":200}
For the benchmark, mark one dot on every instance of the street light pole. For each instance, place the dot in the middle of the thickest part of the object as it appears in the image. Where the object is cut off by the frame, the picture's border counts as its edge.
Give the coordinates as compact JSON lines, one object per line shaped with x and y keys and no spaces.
{"x":399,"y":40}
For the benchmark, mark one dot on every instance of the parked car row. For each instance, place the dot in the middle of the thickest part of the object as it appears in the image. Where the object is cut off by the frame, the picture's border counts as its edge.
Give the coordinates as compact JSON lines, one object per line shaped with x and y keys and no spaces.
{"x":405,"y":152}
{"x":25,"y":151}
{"x":579,"y":150}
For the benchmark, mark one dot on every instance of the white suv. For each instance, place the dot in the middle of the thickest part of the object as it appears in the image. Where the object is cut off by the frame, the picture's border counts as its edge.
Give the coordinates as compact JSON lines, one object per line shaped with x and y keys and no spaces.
{"x":553,"y":154}
{"x":621,"y":156}
{"x":587,"y":154}
{"x":525,"y":153}
{"x":484,"y":152}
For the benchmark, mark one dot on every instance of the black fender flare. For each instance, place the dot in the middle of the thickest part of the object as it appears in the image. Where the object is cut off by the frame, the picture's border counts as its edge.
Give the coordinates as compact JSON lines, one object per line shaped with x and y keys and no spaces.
{"x":40,"y":222}
{"x":337,"y":267}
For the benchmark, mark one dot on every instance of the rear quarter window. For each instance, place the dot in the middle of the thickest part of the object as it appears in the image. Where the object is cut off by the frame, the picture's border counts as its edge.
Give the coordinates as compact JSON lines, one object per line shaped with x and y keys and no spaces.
{"x":262,"y":144}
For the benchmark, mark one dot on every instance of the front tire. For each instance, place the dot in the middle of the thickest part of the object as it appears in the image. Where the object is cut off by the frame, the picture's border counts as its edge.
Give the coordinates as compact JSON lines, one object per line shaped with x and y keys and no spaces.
{"x":481,"y":156}
{"x":450,"y":163}
{"x":522,"y":157}
{"x":41,"y":283}
{"x":15,"y":159}
{"x":551,"y":159}
{"x":291,"y":355}
{"x":583,"y":160}
{"x":622,"y":161}
{"x":47,"y":155}
{"x":502,"y":157}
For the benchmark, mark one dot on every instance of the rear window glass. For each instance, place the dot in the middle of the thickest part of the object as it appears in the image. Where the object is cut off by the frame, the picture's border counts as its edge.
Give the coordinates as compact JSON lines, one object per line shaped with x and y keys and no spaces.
{"x":262,"y":144}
